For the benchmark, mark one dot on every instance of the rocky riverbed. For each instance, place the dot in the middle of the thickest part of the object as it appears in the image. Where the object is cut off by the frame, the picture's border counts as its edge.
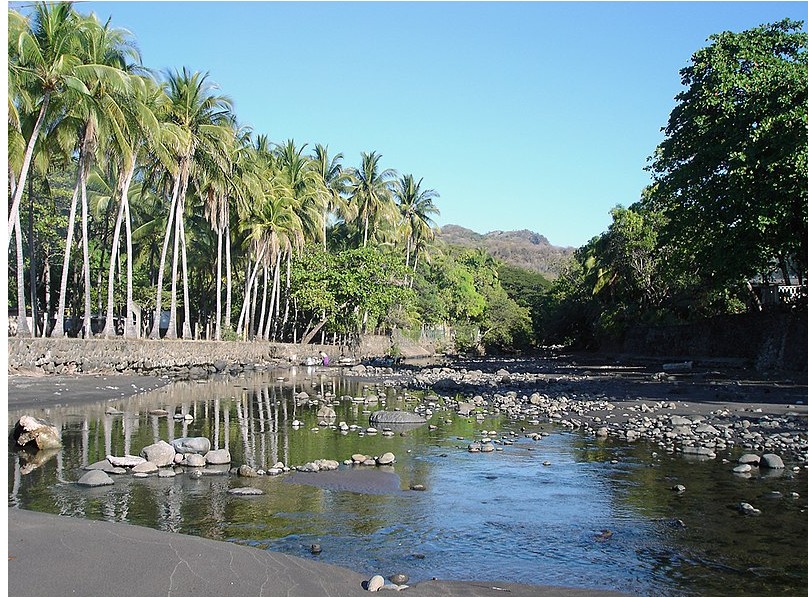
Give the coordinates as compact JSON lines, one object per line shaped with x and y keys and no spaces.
{"x":701,"y":410}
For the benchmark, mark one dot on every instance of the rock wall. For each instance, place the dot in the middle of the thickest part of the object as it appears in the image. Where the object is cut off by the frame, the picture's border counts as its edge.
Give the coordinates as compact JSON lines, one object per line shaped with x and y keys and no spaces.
{"x":72,"y":355}
{"x":768,"y":341}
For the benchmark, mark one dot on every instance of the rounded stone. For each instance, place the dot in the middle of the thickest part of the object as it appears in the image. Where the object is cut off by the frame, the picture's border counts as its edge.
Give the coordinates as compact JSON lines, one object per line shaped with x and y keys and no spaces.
{"x":218,"y":456}
{"x":95,"y":478}
{"x":375,"y":583}
{"x":386,"y":459}
{"x":399,"y":579}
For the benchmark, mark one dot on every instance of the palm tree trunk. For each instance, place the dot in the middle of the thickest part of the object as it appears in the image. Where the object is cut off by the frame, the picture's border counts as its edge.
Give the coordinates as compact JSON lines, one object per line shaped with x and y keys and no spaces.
{"x":132,"y":326}
{"x":171,"y":333}
{"x":85,"y":248}
{"x":109,"y":324}
{"x":242,"y":323}
{"x":219,"y":283}
{"x":58,"y":328}
{"x":32,"y":257}
{"x":23,"y":331}
{"x":26,"y":164}
{"x":288,"y":286}
{"x":186,"y":326}
{"x":244,"y":304}
{"x":158,"y":303}
{"x":365,"y":242}
{"x":229,"y":293}
{"x":264,"y":303}
{"x":273,"y":301}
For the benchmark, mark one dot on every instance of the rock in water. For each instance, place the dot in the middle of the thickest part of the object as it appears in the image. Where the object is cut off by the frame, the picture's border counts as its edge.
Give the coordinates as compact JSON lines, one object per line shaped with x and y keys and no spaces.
{"x":386,"y":459}
{"x":771,"y":461}
{"x":191,"y":445}
{"x":218,"y":456}
{"x":30,"y":432}
{"x":161,"y":454}
{"x":245,"y":491}
{"x":95,"y":478}
{"x":385,"y":417}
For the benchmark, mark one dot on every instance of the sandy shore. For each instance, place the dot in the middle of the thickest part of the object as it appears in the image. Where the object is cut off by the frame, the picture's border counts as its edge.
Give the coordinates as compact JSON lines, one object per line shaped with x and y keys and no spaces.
{"x":57,"y":555}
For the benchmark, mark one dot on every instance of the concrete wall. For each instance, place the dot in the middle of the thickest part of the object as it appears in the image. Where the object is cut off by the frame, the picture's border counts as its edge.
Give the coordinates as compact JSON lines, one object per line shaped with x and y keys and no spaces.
{"x":72,"y":355}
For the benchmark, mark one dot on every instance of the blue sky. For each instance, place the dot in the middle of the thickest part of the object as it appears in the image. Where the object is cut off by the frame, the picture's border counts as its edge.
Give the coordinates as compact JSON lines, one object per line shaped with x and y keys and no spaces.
{"x":535,"y":115}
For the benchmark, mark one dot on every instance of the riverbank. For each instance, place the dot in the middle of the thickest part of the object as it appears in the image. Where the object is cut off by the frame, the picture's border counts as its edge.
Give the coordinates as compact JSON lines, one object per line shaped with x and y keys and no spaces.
{"x":592,"y":393}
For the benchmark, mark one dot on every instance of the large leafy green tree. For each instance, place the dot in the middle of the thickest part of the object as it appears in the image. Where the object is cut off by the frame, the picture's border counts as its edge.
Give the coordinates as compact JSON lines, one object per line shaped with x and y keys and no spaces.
{"x":732,"y":172}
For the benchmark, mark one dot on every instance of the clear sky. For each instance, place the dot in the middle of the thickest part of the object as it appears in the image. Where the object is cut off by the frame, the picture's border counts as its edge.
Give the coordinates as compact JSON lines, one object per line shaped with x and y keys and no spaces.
{"x":537,"y":115}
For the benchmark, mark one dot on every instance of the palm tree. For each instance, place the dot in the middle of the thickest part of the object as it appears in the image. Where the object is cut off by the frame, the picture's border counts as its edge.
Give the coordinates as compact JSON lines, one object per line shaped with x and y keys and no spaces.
{"x":416,"y":209}
{"x":142,"y":134}
{"x":371,"y":193}
{"x":332,"y":185}
{"x":42,"y":62}
{"x":202,"y":121}
{"x":106,"y":53}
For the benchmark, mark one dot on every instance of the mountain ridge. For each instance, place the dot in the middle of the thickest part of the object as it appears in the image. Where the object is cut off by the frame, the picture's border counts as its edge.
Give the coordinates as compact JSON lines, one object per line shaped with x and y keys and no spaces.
{"x":522,"y":248}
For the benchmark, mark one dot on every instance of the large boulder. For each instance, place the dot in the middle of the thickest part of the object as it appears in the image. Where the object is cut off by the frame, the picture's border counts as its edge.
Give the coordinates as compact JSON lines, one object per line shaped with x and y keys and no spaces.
{"x":161,"y":454}
{"x":33,"y":433}
{"x":388,"y":417}
{"x":191,"y":445}
{"x":218,"y":456}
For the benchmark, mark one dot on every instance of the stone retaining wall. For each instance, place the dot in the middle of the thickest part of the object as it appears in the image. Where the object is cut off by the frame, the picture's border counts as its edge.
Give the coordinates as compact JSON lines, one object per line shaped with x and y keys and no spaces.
{"x":72,"y":355}
{"x":768,"y":341}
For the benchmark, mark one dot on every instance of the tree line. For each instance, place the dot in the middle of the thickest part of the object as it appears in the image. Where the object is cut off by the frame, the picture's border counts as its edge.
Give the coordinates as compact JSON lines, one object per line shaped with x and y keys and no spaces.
{"x":134,"y":193}
{"x":727,"y":210}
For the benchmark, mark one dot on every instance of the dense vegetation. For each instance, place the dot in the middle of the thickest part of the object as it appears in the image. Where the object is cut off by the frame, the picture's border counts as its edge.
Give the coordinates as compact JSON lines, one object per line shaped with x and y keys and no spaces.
{"x":138,"y":202}
{"x":133,"y":194}
{"x":728,"y":205}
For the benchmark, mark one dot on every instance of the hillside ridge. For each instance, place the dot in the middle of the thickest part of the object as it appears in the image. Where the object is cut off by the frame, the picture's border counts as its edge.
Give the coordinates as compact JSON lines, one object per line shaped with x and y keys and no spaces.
{"x":521,"y":248}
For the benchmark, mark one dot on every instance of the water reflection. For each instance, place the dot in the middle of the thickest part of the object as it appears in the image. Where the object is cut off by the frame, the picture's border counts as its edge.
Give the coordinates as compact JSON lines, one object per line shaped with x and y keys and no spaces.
{"x":535,"y":512}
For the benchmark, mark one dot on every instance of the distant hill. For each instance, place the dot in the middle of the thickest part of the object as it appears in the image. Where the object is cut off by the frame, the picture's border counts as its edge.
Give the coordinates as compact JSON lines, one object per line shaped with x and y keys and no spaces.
{"x":522,"y":248}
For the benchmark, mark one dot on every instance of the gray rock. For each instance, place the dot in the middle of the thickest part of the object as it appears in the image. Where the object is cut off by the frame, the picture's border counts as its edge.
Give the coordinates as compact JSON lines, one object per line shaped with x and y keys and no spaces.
{"x":245,"y":470}
{"x":748,"y":509}
{"x":195,"y":460}
{"x":101,"y":465}
{"x":218,"y":456}
{"x":127,"y":461}
{"x":677,"y":421}
{"x":326,"y":412}
{"x":698,"y":451}
{"x":464,"y":409}
{"x":749,"y":459}
{"x":30,"y":432}
{"x":375,"y":583}
{"x":245,"y":491}
{"x":386,"y":459}
{"x":96,"y":478}
{"x":384,"y":417}
{"x":771,"y":461}
{"x":191,"y":445}
{"x":145,"y":467}
{"x":742,"y":468}
{"x":165,"y":473}
{"x":161,"y":453}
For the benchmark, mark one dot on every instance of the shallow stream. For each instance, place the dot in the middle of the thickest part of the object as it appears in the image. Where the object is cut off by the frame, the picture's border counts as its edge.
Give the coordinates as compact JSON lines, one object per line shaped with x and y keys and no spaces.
{"x":564,"y":510}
